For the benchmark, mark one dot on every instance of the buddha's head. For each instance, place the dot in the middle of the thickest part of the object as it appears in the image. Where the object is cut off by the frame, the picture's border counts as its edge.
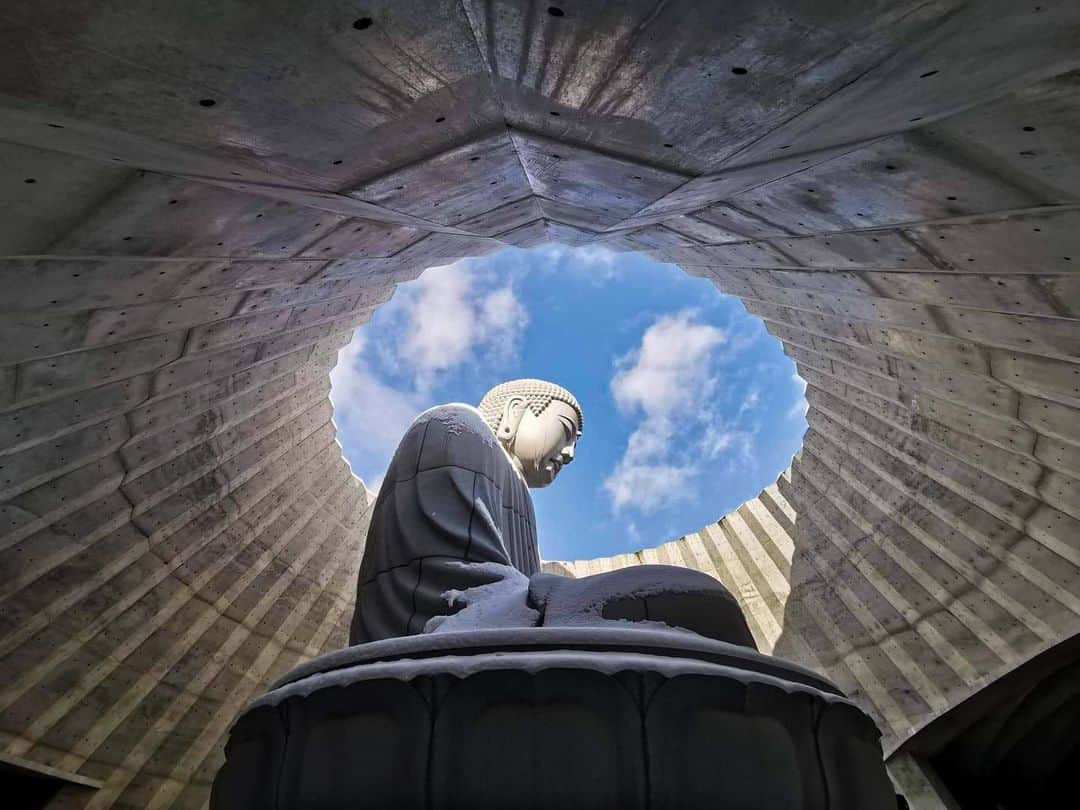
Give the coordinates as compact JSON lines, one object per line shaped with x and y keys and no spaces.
{"x":538,"y":424}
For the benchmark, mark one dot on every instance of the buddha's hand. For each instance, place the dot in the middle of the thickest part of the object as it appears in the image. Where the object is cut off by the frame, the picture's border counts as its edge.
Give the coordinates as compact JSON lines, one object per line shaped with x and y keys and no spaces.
{"x":501,"y":601}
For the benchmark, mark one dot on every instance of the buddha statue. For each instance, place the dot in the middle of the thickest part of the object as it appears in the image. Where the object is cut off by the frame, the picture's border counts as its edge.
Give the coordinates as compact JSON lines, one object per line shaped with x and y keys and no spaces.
{"x":474,"y":680}
{"x":452,"y":543}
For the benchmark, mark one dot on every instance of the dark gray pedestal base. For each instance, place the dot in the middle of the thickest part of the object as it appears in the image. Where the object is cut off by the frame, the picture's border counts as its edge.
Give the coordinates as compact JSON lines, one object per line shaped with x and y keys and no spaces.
{"x":560,"y":718}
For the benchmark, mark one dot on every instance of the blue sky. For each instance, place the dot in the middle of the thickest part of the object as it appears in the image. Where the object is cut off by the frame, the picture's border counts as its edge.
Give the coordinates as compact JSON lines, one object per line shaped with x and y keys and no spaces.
{"x":690,"y":405}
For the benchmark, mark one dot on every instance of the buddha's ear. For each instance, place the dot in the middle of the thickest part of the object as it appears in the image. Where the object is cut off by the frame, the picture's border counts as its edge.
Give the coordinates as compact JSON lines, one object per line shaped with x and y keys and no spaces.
{"x":513,"y":410}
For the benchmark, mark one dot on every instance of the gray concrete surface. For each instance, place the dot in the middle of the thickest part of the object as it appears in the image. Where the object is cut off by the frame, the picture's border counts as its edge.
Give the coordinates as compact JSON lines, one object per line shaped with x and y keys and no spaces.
{"x":200,"y":204}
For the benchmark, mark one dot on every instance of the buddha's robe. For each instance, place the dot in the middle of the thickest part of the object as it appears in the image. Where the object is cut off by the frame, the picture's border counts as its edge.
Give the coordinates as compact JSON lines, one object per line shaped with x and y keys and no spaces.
{"x":452,"y":514}
{"x":452,"y":546}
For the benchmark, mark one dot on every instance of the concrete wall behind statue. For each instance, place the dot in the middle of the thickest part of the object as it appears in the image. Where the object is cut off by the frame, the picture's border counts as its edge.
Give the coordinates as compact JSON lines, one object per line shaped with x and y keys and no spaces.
{"x":190,"y":233}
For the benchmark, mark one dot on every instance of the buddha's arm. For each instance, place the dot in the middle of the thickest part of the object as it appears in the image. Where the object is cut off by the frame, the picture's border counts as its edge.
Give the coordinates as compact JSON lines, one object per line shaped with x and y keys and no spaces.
{"x":435,"y":527}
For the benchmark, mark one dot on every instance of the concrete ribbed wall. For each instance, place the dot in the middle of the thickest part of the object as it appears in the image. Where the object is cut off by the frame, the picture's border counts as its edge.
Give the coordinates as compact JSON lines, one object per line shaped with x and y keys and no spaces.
{"x":750,"y":550}
{"x":200,"y":205}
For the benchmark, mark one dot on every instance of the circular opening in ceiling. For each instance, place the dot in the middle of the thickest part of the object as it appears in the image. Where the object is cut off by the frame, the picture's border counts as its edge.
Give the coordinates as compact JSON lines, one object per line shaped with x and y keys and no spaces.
{"x":691,"y":407}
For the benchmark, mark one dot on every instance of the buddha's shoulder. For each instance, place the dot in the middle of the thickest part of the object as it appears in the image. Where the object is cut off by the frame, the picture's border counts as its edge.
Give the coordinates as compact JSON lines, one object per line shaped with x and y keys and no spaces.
{"x":455,"y":419}
{"x":452,"y":435}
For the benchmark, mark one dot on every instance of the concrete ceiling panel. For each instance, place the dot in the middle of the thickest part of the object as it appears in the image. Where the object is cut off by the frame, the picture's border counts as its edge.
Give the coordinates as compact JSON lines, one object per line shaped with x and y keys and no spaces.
{"x":906,"y":178}
{"x":448,"y":188}
{"x":347,"y":87}
{"x":747,"y":222}
{"x":686,"y":84}
{"x":157,"y":215}
{"x":659,"y":237}
{"x":1031,"y":134}
{"x":564,"y":234}
{"x":965,"y":54}
{"x":438,"y":248}
{"x":588,"y":218}
{"x":701,"y":231}
{"x":504,"y":218}
{"x":528,"y":235}
{"x":872,"y":249}
{"x":742,"y":254}
{"x":724,"y":184}
{"x":586,"y":178}
{"x":363,"y":238}
{"x":1043,"y":242}
{"x":46,"y":194}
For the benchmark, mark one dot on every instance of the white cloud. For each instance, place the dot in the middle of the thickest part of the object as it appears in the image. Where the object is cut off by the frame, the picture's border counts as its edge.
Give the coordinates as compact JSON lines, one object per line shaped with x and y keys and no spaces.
{"x":750,"y":401}
{"x":647,"y":487}
{"x":431,"y":327}
{"x":718,"y":440}
{"x":446,"y":320}
{"x":668,"y":381}
{"x":591,"y":260}
{"x":800,"y":406}
{"x":670,"y":370}
{"x":366,"y":407}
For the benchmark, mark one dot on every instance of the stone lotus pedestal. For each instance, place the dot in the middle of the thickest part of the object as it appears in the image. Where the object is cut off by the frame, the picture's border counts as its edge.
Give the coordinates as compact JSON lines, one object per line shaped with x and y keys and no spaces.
{"x":592,"y":717}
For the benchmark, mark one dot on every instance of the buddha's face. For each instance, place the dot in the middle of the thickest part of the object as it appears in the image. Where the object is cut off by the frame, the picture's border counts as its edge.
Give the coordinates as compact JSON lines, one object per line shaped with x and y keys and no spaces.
{"x":544,"y":444}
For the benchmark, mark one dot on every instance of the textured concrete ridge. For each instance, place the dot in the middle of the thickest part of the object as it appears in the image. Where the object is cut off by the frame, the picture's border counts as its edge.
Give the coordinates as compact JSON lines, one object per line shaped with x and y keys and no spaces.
{"x":199,"y":208}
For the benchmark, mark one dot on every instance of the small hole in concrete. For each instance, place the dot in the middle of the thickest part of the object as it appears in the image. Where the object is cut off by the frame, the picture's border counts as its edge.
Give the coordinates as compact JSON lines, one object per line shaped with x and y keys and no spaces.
{"x":739,"y":71}
{"x":557,"y":157}
{"x":890,"y":168}
{"x":928,"y":74}
{"x":916,"y":118}
{"x":29,"y":180}
{"x":637,"y":176}
{"x":173,"y":202}
{"x":337,"y":162}
{"x":57,"y":126}
{"x":555,"y":11}
{"x":127,"y":238}
{"x":554,"y":113}
{"x":477,"y":157}
{"x":950,"y":198}
{"x":440,"y":119}
{"x":207,"y":102}
{"x":363,"y":23}
{"x":1029,"y":129}
{"x":398,"y":188}
{"x":669,"y":146}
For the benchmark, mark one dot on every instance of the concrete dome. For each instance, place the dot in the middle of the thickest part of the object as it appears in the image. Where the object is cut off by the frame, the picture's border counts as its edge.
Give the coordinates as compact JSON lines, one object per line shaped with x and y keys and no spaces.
{"x":200,"y":206}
